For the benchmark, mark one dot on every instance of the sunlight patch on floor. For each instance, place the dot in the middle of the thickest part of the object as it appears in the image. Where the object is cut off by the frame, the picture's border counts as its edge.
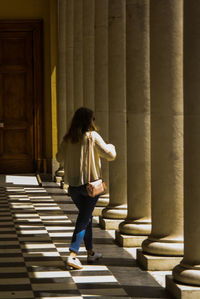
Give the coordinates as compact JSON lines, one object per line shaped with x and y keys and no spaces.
{"x":132,"y":251}
{"x":159,"y":276}
{"x":21,"y":180}
{"x":94,"y":279}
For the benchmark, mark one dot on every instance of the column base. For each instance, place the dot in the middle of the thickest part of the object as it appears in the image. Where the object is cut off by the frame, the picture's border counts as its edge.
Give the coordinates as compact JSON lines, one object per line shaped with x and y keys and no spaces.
{"x":109,"y":224}
{"x":59,"y":175}
{"x":134,"y":227}
{"x":60,"y":172}
{"x":129,"y":240}
{"x":64,"y":186}
{"x":187,"y":274}
{"x":115,"y":212}
{"x":58,"y":179}
{"x":157,"y":263}
{"x":180,"y":291}
{"x":97,"y":211}
{"x":101,"y":204}
{"x":103,"y":200}
{"x":163,"y":246}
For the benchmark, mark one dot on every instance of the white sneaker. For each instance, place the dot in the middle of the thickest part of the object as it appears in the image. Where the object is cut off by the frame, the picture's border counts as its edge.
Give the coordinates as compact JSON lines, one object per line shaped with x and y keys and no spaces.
{"x":74,"y":262}
{"x":96,"y":256}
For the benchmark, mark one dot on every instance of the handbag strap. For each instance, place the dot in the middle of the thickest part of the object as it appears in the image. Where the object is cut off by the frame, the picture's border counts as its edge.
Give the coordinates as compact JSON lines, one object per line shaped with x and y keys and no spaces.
{"x":89,"y":155}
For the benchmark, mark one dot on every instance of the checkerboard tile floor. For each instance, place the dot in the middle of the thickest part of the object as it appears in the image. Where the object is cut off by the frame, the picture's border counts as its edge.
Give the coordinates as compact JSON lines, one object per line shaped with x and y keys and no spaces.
{"x":35,"y":233}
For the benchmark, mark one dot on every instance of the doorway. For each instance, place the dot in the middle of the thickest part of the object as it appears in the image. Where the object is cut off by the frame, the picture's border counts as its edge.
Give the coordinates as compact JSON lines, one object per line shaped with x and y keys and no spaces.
{"x":21,"y":146}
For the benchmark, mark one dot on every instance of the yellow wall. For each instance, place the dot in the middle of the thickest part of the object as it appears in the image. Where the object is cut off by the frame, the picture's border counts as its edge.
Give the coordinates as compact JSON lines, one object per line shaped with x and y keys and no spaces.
{"x":46,"y":10}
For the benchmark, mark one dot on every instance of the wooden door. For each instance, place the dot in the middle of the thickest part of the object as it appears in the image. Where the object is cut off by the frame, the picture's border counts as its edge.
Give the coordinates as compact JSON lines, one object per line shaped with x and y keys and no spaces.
{"x":18,"y":102}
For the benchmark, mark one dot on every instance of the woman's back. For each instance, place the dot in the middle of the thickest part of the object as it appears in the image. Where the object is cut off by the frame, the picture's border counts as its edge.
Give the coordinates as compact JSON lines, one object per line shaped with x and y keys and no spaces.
{"x":75,"y":158}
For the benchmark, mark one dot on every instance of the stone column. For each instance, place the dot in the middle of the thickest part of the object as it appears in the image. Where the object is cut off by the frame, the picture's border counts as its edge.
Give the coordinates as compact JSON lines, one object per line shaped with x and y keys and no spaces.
{"x":188,"y":271}
{"x":62,"y":69}
{"x":138,"y":223}
{"x":101,"y":86}
{"x":78,"y":54}
{"x":88,"y":53}
{"x":166,"y":238}
{"x":62,"y":92}
{"x":117,"y":211}
{"x":67,"y":64}
{"x":69,"y":60}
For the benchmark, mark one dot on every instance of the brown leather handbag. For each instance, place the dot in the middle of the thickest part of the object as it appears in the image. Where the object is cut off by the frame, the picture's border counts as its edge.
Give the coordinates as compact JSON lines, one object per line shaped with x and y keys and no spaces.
{"x":98,"y":186}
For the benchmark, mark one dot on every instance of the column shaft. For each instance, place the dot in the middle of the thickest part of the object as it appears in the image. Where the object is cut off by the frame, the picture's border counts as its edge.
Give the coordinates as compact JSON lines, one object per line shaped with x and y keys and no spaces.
{"x":78,"y":54}
{"x":88,"y":53}
{"x":189,"y":269}
{"x":62,"y":92}
{"x":138,"y":221}
{"x":69,"y":60}
{"x":62,"y":75}
{"x":117,"y":109}
{"x":101,"y":84}
{"x":166,"y":128}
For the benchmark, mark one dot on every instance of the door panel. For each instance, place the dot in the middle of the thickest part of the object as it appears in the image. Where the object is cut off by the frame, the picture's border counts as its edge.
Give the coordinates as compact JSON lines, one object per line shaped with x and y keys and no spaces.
{"x":16,"y":102}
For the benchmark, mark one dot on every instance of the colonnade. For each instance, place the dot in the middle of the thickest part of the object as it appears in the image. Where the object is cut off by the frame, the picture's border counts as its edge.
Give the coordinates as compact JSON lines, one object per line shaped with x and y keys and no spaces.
{"x":127,"y":61}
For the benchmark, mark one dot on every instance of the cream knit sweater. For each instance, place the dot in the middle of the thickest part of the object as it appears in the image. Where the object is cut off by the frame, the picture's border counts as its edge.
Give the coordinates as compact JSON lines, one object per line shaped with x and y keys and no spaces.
{"x":74,"y":158}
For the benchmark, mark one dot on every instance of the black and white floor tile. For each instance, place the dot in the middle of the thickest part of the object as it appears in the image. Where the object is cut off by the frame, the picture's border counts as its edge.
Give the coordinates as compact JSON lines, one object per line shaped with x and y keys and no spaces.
{"x":35,"y":231}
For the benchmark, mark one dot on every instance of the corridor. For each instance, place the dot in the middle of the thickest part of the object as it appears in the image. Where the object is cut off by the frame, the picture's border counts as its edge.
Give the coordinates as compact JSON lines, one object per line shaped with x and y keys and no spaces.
{"x":36,"y":224}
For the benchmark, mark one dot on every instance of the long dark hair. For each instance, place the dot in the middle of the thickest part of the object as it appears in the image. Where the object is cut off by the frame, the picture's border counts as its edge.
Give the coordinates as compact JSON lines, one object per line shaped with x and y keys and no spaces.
{"x":82,"y":121}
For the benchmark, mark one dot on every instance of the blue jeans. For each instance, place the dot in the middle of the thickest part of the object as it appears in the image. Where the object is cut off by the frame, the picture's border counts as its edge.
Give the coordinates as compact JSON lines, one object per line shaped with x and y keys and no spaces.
{"x":83,"y":227}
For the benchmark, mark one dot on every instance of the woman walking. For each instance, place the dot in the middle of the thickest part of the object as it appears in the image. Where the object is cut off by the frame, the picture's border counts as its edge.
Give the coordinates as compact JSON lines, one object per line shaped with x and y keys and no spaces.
{"x":73,"y":153}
